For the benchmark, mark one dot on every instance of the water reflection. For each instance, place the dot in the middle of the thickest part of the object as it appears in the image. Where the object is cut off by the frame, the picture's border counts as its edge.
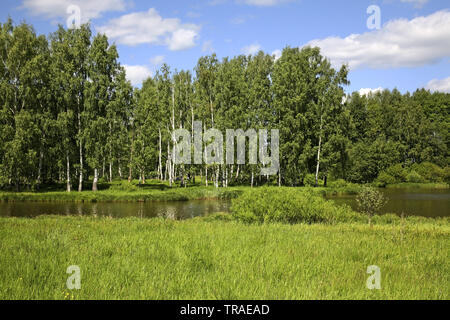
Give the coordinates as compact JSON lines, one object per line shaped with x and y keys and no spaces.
{"x":169,"y":210}
{"x":419,"y":202}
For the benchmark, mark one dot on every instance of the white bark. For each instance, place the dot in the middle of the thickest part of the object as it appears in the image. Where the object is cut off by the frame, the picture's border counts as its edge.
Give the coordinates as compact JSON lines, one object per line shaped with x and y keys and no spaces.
{"x":95,"y":183}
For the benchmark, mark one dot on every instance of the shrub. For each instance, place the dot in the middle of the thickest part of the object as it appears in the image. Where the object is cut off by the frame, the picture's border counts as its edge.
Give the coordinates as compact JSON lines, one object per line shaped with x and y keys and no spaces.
{"x":447,"y":175}
{"x":384,"y":179}
{"x":397,"y":172}
{"x":340,"y":183}
{"x":286,"y":205}
{"x":370,"y":201}
{"x":309,"y":180}
{"x":429,"y":172}
{"x":414,"y":177}
{"x":124,"y":186}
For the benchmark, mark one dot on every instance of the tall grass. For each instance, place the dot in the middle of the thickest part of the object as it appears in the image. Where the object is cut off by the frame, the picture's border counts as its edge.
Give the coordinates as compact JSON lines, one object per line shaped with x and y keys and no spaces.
{"x":198,"y":259}
{"x":127,"y":195}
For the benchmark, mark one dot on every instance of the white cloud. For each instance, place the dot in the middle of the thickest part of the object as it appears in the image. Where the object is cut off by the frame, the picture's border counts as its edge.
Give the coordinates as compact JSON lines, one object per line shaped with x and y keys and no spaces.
{"x":251,"y":49}
{"x":157,"y":60}
{"x":182,"y":39}
{"x":277,"y":54}
{"x":442,"y":85}
{"x":367,"y":91}
{"x":417,"y":3}
{"x":207,"y":46}
{"x":149,"y":27}
{"x":58,"y":8}
{"x":400,"y":43}
{"x":137,"y":74}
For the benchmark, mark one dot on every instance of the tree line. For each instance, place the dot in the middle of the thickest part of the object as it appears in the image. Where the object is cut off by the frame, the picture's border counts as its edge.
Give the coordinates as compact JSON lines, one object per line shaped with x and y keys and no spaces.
{"x":68,"y":115}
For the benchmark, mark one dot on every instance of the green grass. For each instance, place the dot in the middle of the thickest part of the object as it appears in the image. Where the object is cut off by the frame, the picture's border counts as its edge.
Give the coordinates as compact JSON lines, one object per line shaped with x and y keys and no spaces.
{"x":154,"y":191}
{"x":208,"y":258}
{"x":141,"y":194}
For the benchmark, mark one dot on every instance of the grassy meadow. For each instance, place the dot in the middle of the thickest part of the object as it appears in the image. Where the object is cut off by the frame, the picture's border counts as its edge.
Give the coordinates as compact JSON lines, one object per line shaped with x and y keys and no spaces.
{"x":277,"y":243}
{"x":209,"y":258}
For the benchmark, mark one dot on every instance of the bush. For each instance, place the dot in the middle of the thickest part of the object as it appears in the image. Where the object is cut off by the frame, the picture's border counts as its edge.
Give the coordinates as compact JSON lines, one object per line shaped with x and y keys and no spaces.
{"x":384,"y":179}
{"x":414,"y":177}
{"x":447,"y":175}
{"x":429,"y":172}
{"x":397,"y":172}
{"x":370,"y":201}
{"x":340,"y":183}
{"x":310,"y":180}
{"x":286,"y":205}
{"x":124,"y":186}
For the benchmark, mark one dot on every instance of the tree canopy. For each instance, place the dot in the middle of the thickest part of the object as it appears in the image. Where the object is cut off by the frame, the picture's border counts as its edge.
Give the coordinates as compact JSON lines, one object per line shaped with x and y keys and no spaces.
{"x":68,"y":115}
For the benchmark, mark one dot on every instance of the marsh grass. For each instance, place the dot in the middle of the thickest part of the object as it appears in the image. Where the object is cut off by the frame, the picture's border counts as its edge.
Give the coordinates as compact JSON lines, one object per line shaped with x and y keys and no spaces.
{"x":128,"y":194}
{"x":209,"y":258}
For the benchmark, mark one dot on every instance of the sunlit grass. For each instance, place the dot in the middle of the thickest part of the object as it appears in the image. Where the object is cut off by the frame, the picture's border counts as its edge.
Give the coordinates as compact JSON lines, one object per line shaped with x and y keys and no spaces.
{"x":207,"y":258}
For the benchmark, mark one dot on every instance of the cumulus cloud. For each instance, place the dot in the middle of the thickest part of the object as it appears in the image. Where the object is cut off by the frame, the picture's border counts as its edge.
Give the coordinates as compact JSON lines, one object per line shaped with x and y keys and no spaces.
{"x":277,"y":54}
{"x":58,"y":8}
{"x":400,"y":43}
{"x":251,"y":49}
{"x":157,"y":60}
{"x":208,"y":47}
{"x":442,"y":85}
{"x":367,"y":91}
{"x":149,"y":27}
{"x":137,"y":74}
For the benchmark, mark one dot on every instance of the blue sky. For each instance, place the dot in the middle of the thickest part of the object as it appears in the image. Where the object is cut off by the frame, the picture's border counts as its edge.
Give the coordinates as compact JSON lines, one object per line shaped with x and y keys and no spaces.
{"x":411,"y":49}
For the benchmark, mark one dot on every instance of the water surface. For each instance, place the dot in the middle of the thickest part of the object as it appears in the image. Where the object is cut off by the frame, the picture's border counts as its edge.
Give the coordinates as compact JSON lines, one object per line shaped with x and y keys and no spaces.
{"x":427,"y":203}
{"x":410,"y":202}
{"x":175,"y":209}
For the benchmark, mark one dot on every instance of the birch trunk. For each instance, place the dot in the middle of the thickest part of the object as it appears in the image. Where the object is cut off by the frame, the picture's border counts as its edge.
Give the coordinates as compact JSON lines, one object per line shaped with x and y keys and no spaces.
{"x":69,"y":187}
{"x":80,"y":180}
{"x":39,"y":177}
{"x":318,"y":152}
{"x":160,"y":156}
{"x":95,"y":182}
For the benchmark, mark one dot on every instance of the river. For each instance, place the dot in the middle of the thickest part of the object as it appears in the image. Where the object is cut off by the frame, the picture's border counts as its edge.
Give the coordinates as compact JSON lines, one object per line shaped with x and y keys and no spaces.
{"x":428,"y":203}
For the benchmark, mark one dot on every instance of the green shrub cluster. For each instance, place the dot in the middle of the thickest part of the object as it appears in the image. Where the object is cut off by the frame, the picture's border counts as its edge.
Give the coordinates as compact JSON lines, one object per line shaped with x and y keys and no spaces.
{"x":124,"y":185}
{"x":425,"y":172}
{"x":285,"y":205}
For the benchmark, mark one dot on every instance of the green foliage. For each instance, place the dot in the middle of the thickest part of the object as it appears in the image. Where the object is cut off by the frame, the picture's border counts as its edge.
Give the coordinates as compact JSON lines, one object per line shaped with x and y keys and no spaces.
{"x":397,"y":172}
{"x":447,"y":175}
{"x":384,"y":179}
{"x":370,"y":201}
{"x":310,"y":180}
{"x":264,"y":205}
{"x":68,"y":113}
{"x":414,"y":177}
{"x":339,"y":183}
{"x":429,"y":172}
{"x":425,"y":172}
{"x":124,"y":186}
